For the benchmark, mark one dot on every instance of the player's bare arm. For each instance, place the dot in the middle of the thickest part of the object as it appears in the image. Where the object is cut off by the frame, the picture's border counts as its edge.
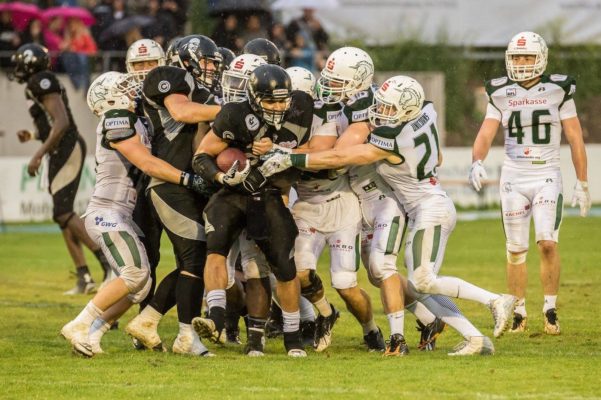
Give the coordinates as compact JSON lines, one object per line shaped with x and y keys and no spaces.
{"x":482,"y":144}
{"x":356,"y":133}
{"x":189,"y":112}
{"x":573,"y":132}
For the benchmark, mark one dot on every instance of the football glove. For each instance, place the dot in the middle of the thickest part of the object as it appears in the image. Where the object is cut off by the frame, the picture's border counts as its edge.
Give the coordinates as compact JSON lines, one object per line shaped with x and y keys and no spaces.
{"x":254,"y":181}
{"x":582,"y":197}
{"x":477,"y":173}
{"x":277,"y":162}
{"x":234,"y":177}
{"x":197,"y":184}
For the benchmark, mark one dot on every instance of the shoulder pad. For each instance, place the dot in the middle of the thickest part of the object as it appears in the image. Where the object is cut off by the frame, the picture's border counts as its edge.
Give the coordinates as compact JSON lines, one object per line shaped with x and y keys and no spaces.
{"x":358,"y":96}
{"x":558,"y":77}
{"x":119,"y":119}
{"x":384,"y":138}
{"x":43,"y":82}
{"x":496,"y":83}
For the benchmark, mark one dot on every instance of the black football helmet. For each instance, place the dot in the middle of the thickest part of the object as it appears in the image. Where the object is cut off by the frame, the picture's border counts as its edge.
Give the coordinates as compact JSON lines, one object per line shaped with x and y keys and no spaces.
{"x":269,"y":85}
{"x":171,"y":55}
{"x":195,"y":53}
{"x":263,"y":48}
{"x":28,"y":60}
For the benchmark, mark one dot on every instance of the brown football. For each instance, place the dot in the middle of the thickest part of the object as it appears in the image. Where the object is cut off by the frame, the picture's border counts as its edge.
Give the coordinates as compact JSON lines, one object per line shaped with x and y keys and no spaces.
{"x":227,"y":157}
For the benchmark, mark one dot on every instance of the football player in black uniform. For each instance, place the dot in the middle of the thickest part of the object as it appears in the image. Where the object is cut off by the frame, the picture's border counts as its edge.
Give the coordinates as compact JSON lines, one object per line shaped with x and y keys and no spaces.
{"x":176,"y":100}
{"x":265,"y":49}
{"x":250,"y":201}
{"x":66,"y":151}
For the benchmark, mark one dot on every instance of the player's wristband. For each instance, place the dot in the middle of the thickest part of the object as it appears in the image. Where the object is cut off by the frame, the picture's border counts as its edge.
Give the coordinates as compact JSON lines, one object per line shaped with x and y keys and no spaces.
{"x":299,"y":160}
{"x":184,"y":179}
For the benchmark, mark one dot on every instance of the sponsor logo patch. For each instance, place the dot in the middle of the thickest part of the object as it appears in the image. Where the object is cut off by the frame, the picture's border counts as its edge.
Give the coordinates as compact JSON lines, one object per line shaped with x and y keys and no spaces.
{"x":45,"y":83}
{"x":164,"y":86}
{"x":511,"y":92}
{"x":383,"y":143}
{"x":114,"y":123}
{"x":359,"y":115}
{"x":252,"y":122}
{"x":101,"y":222}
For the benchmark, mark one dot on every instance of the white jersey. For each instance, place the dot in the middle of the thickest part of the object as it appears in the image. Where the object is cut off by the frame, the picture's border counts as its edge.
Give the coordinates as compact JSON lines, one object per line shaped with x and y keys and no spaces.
{"x":532,"y":118}
{"x":115,"y":175}
{"x":416,"y":142}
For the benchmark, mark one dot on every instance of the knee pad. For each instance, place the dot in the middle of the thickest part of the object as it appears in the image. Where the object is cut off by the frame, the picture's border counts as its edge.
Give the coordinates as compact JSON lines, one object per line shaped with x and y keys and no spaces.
{"x":135,"y":278}
{"x":381,"y":267}
{"x":515,"y":259}
{"x":344,"y":279}
{"x":423,"y":278}
{"x":63,"y":225}
{"x":315,"y":285}
{"x":141,"y":295}
{"x":285,"y":274}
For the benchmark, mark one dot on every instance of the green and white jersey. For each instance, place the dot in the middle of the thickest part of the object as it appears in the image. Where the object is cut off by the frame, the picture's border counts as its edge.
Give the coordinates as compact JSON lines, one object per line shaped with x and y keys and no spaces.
{"x":318,"y":187}
{"x":416,"y":143}
{"x":116,"y":177}
{"x":531,"y":118}
{"x":364,"y":179}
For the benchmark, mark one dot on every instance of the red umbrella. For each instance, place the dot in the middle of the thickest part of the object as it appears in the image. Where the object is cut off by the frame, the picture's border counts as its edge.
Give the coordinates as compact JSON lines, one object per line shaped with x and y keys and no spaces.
{"x":22,"y":13}
{"x":69,"y":12}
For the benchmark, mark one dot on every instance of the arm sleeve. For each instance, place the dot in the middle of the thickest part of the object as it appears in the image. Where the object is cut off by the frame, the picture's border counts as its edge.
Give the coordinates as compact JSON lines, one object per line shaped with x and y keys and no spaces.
{"x":164,"y":81}
{"x":568,"y":110}
{"x":225,"y":125}
{"x":118,"y":125}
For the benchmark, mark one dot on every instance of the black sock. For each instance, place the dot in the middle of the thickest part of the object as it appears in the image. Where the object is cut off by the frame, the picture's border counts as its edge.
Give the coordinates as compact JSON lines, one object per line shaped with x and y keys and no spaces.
{"x":189,"y":298}
{"x":293,"y":340}
{"x":83,"y":273}
{"x":104,"y":263}
{"x":256,"y":333}
{"x":275,"y":312}
{"x":232,"y":317}
{"x":164,"y":297}
{"x":217,"y":314}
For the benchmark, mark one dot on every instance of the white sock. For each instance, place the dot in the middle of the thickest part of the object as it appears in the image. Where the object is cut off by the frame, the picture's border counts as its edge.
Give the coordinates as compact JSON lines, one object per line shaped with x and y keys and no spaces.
{"x":549,"y":302}
{"x":323,"y":306}
{"x":291,"y":321}
{"x":307,"y":313}
{"x":455,"y":287}
{"x":151,"y":314}
{"x":369,"y":326}
{"x":98,"y":329}
{"x":185,"y":329}
{"x":421,"y":312}
{"x":446,"y":310}
{"x":216,"y":298}
{"x":89,"y":314}
{"x":397,"y":322}
{"x":520,"y":307}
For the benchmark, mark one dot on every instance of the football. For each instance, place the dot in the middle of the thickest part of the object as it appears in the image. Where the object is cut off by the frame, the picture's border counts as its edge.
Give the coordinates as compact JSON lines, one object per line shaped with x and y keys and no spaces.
{"x":227,"y":157}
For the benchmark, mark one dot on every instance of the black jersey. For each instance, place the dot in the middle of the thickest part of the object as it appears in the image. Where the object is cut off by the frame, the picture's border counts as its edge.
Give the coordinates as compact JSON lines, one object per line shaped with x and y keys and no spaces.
{"x":239,"y":125}
{"x":38,"y":86}
{"x":172,"y":141}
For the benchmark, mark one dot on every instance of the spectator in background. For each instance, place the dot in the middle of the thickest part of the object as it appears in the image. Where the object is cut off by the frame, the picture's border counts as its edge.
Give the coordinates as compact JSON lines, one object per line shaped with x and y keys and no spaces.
{"x":163,"y":30}
{"x":33,"y":33}
{"x":177,"y":9}
{"x":119,"y":10}
{"x":302,"y":53}
{"x":103,"y":12}
{"x":313,"y":32}
{"x":9,"y":37}
{"x":55,"y":43}
{"x":227,"y":34}
{"x":80,"y":45}
{"x":254,"y":29}
{"x":277,"y":34}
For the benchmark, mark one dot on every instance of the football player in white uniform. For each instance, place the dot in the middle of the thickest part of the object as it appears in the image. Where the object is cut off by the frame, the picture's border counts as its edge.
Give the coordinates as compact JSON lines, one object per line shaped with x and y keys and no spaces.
{"x":534,"y":109}
{"x":143,"y":56}
{"x":122,"y":151}
{"x":405,"y":142}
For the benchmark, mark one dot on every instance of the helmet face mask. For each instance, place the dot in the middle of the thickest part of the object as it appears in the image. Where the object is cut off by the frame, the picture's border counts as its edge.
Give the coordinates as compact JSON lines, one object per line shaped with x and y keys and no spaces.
{"x":235,"y":79}
{"x":145,"y":53}
{"x":526,"y":44}
{"x":113,"y":91}
{"x":28,"y":60}
{"x":269,"y":94}
{"x":399,"y":99}
{"x":348,"y":71}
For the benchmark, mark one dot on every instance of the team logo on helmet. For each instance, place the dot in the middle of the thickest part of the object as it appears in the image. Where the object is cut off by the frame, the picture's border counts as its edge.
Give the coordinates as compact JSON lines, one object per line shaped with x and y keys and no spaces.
{"x":142,"y":50}
{"x":409,"y":97}
{"x":193,"y":44}
{"x":45,"y":83}
{"x":521,"y":41}
{"x":363,"y":70}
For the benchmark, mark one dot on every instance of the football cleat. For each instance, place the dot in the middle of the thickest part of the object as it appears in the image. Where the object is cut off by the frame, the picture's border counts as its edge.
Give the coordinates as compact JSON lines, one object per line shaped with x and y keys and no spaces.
{"x":307,"y":329}
{"x":145,"y":332}
{"x":232,"y":336}
{"x":190,"y":345}
{"x":205,"y":328}
{"x":502,"y":310}
{"x":323,"y":329}
{"x":96,"y":349}
{"x":520,"y":323}
{"x":396,"y":346}
{"x":84,"y":285}
{"x":77,"y":334}
{"x":551,"y":326}
{"x":375,"y":341}
{"x":297,"y":353}
{"x":429,"y":333}
{"x":474,"y":345}
{"x":274,"y":328}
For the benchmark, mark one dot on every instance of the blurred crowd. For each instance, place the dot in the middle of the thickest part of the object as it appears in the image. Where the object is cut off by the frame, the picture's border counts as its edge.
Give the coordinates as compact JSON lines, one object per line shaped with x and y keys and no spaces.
{"x":75,"y":32}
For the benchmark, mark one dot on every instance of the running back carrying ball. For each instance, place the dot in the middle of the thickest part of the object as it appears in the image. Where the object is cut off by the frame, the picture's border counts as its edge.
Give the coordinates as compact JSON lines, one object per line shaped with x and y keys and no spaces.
{"x":227,"y":157}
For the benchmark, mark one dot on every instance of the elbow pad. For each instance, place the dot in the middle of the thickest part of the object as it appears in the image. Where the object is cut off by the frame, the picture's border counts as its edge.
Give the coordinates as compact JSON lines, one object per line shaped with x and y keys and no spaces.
{"x":205,"y":166}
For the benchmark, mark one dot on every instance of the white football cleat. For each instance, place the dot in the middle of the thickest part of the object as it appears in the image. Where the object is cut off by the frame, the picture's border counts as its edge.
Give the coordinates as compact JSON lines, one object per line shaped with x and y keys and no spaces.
{"x":255,"y":353}
{"x":96,"y":349}
{"x":190,"y":345}
{"x":205,"y":328}
{"x":297,"y":353}
{"x":146,"y":332}
{"x":77,"y":334}
{"x":474,"y":345}
{"x":502,"y":312}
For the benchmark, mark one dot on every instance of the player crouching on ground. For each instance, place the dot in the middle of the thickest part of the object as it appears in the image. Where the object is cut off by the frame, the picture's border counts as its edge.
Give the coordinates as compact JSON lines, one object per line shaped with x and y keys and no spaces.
{"x":122,"y":148}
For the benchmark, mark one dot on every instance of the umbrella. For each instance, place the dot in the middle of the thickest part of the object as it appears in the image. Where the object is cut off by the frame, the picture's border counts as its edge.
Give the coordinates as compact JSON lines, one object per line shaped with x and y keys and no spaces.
{"x":217,"y":7}
{"x":22,"y":13}
{"x":69,"y":12}
{"x":121,"y":27}
{"x":316,"y":4}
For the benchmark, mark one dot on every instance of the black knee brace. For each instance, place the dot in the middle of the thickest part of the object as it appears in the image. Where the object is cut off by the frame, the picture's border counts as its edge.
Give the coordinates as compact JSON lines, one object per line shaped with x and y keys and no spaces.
{"x":315,"y":285}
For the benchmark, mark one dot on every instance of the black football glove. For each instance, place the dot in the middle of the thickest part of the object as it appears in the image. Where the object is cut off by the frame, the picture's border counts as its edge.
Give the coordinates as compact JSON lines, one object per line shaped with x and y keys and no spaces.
{"x":254,"y":181}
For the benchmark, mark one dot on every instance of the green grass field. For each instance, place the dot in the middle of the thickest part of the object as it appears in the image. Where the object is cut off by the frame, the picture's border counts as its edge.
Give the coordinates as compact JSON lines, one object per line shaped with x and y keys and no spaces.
{"x":36,"y":363}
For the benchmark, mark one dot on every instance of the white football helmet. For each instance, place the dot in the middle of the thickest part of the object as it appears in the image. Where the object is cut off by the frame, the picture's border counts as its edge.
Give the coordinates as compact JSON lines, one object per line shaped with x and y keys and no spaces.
{"x":398,"y":100}
{"x":348,"y":71}
{"x":112,"y":91}
{"x":302,"y":79}
{"x":143,"y":50}
{"x":235,"y":79}
{"x":526,"y":43}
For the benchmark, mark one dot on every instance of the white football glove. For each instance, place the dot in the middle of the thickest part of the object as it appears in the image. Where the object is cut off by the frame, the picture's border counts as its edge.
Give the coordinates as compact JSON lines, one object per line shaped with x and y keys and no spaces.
{"x":278,"y":162}
{"x":582,"y":197}
{"x":234,"y":177}
{"x":477,"y":173}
